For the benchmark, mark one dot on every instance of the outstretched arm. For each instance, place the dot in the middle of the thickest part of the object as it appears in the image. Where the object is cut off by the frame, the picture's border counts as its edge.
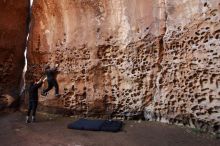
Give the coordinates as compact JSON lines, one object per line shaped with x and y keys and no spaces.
{"x":44,"y":79}
{"x":40,"y":82}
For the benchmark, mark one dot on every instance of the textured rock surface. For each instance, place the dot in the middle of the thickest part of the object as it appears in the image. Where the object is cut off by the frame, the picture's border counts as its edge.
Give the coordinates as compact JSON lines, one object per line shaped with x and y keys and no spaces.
{"x":105,"y":51}
{"x":126,"y":57}
{"x":188,"y":83}
{"x":6,"y":101}
{"x":13,"y":23}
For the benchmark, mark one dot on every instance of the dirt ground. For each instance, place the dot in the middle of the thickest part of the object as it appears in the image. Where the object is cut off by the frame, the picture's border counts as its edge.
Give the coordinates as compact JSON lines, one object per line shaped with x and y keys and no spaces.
{"x":50,"y":130}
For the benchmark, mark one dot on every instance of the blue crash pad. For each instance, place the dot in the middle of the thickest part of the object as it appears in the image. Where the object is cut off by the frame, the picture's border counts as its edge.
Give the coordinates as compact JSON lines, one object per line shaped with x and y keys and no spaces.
{"x":96,"y":125}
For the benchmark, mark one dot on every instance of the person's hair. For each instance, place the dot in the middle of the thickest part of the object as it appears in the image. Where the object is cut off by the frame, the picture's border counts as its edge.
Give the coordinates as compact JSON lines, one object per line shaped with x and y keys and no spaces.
{"x":47,"y":67}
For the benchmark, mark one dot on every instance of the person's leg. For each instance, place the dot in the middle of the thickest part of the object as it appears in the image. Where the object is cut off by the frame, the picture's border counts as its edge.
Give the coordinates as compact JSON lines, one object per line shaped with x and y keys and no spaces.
{"x":30,"y":107}
{"x":49,"y":87}
{"x":35,"y":103}
{"x":56,"y":87}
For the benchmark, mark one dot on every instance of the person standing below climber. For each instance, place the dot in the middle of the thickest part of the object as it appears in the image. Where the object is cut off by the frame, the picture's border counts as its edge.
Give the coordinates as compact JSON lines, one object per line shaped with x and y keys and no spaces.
{"x":33,"y":99}
{"x":51,"y":80}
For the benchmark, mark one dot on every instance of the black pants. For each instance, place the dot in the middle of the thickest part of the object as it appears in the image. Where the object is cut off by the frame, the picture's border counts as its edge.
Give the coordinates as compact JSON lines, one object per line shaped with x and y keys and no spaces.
{"x":32,"y":107}
{"x":52,"y":83}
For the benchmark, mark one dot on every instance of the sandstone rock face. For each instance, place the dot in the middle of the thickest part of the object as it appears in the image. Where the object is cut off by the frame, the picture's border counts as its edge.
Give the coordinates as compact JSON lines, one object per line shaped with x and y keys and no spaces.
{"x":6,"y":101}
{"x":13,"y":23}
{"x":188,"y":83}
{"x":107,"y":53}
{"x":128,"y":57}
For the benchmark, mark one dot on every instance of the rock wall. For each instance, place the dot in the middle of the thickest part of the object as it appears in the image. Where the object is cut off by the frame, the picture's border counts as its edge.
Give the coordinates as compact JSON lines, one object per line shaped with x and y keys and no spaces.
{"x":188,"y":83}
{"x":105,"y":51}
{"x":128,"y":58}
{"x":13,"y":23}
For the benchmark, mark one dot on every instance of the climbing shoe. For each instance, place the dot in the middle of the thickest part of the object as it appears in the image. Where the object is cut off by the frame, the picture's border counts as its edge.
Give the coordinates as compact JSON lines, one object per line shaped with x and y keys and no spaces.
{"x":27,"y":119}
{"x":33,"y":119}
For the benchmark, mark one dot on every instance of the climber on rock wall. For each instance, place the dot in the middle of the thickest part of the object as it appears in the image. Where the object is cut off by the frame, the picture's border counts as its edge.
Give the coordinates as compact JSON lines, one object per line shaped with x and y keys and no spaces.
{"x":51,"y":80}
{"x":33,"y":99}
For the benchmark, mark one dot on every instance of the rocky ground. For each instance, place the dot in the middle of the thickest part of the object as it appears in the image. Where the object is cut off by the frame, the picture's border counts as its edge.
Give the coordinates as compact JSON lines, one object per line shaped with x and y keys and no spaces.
{"x":51,"y":130}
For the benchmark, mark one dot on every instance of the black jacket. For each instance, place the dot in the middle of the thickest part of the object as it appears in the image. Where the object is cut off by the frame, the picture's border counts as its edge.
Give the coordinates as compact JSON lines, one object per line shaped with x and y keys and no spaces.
{"x":51,"y":73}
{"x":33,"y":91}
